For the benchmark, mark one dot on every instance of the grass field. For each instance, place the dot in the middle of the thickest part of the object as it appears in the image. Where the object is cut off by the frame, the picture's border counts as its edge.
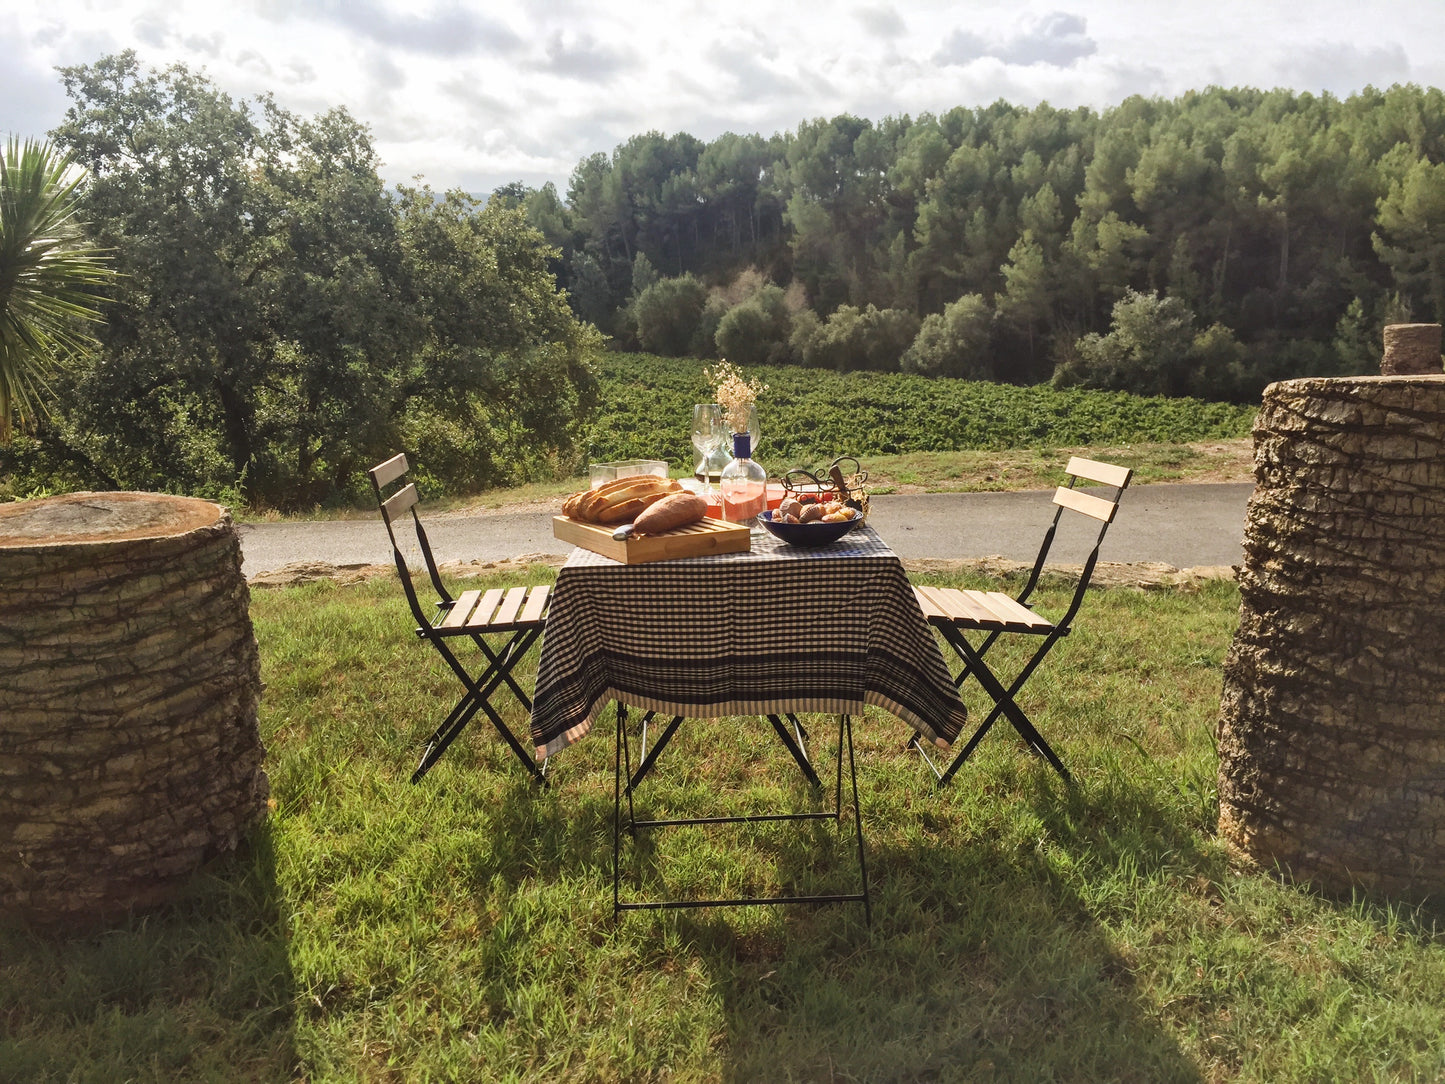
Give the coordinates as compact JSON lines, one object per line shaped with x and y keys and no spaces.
{"x":461,"y":929}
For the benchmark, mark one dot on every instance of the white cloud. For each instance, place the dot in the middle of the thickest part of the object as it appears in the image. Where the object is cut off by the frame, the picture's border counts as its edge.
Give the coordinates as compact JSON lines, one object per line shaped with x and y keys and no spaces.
{"x":1058,"y":39}
{"x":880,"y":21}
{"x":1342,"y":67}
{"x":582,"y":57}
{"x":447,"y":30}
{"x":481,"y":94}
{"x":208,"y":45}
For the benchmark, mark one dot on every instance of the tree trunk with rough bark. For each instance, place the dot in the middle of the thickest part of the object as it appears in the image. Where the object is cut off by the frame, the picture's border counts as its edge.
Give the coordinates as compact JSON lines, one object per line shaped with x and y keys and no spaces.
{"x":1332,"y":728}
{"x":129,"y":686}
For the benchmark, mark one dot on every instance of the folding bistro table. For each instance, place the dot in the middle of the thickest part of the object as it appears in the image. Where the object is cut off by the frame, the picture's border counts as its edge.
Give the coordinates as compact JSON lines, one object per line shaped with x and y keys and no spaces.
{"x":773,"y":632}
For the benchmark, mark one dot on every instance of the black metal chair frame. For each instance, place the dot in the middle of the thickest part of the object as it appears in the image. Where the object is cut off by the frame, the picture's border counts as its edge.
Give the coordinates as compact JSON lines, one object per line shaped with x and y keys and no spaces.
{"x":499,"y":661}
{"x":1005,"y":696}
{"x":796,"y":744}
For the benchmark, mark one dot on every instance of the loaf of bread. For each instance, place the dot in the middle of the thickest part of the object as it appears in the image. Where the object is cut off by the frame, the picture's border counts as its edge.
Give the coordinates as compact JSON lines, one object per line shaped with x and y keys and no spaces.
{"x":618,"y":501}
{"x":672,"y":511}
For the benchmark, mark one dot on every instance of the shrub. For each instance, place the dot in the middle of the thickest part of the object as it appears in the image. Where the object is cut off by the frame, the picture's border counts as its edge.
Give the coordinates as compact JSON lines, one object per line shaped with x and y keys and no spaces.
{"x":704,"y":338}
{"x":955,"y":342}
{"x":667,"y":314}
{"x":852,"y":338}
{"x":757,"y":331}
{"x":1153,"y":349}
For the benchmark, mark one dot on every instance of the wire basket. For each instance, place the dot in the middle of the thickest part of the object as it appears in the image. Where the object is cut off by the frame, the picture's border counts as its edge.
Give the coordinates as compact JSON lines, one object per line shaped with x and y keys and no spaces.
{"x":844,"y":480}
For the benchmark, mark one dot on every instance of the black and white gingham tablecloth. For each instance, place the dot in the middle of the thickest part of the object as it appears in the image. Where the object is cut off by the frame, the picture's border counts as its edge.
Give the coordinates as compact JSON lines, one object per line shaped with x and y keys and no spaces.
{"x":776,"y":630}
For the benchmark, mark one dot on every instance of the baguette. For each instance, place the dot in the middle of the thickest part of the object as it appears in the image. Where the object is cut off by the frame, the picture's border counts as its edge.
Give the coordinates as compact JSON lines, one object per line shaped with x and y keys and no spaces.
{"x":669,"y":512}
{"x":618,"y":501}
{"x":608,"y":488}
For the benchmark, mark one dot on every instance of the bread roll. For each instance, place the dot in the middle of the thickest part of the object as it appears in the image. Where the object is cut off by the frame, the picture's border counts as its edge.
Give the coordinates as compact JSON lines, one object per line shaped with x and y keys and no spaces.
{"x":671,"y":511}
{"x":627,"y":511}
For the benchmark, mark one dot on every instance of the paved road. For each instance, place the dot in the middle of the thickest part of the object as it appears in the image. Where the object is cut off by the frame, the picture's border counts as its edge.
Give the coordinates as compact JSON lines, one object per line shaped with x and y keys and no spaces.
{"x":1181,"y":525}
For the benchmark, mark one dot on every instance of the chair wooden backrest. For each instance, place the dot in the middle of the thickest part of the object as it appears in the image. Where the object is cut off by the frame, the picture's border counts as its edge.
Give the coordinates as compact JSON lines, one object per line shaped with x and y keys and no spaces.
{"x":405,"y":499}
{"x":1072,"y":499}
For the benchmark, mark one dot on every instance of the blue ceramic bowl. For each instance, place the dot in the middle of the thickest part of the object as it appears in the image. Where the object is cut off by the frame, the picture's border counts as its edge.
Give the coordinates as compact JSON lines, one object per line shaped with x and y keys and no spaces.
{"x":807,"y":534}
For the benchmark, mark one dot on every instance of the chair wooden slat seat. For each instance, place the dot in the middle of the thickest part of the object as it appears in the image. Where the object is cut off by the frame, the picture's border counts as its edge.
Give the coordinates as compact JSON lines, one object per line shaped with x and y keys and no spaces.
{"x":956,"y":612}
{"x":516,"y":615}
{"x":538,"y":599}
{"x":461,"y":609}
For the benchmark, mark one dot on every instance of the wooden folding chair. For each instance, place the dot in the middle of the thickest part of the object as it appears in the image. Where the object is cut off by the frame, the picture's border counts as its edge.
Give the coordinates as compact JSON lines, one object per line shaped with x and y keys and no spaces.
{"x":992,"y":613}
{"x":516,"y":613}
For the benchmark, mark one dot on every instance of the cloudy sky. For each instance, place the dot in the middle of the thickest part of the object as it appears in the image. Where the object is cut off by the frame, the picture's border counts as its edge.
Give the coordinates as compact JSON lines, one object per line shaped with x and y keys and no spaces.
{"x":476,"y":94}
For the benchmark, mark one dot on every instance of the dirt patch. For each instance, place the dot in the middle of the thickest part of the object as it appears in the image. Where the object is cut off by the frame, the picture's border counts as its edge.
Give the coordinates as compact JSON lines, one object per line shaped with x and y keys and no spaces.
{"x":1223,"y":461}
{"x":1141,"y":575}
{"x":302,"y":572}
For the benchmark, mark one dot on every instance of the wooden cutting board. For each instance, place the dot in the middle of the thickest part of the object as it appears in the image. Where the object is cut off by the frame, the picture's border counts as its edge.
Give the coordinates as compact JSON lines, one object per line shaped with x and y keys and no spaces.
{"x":706,"y":536}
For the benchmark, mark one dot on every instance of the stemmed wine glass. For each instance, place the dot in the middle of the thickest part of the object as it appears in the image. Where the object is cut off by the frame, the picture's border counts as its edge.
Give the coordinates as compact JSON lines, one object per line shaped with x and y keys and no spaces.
{"x":708,"y":436}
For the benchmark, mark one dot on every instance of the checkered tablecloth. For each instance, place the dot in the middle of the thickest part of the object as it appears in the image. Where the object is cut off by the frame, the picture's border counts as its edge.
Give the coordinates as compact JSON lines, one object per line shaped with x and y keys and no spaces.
{"x":776,"y":630}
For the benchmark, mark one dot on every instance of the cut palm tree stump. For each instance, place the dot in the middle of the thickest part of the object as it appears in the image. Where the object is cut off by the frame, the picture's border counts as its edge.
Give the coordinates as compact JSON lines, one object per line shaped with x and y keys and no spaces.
{"x":129,"y":684}
{"x":1332,"y":728}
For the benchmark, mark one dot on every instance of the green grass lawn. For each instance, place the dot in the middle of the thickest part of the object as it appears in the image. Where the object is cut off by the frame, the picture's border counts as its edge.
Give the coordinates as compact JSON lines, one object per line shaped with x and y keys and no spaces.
{"x":462,"y":929}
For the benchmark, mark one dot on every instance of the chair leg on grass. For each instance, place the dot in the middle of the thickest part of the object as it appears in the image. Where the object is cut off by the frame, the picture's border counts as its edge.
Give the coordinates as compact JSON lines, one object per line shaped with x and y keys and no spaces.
{"x":1005,"y":704}
{"x":479,"y":692}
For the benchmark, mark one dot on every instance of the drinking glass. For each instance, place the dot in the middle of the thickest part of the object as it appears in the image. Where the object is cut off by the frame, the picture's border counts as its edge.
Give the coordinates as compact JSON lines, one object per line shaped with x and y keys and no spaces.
{"x":708,"y":436}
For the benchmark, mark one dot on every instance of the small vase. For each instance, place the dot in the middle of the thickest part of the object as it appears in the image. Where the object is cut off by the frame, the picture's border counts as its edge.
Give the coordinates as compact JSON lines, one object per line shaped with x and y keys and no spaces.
{"x":744,"y":485}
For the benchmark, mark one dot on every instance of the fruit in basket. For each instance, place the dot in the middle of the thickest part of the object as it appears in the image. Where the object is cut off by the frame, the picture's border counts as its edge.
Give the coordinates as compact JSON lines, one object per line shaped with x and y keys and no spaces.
{"x":673,"y":511}
{"x":619,"y":501}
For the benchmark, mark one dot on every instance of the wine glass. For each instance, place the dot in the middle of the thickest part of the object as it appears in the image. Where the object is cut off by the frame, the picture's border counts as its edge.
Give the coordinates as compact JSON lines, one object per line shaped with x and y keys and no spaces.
{"x":708,"y":436}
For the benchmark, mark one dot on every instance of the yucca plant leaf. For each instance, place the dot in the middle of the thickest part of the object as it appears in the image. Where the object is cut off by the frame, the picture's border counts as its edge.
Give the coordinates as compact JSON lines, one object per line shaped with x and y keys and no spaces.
{"x":49,"y":275}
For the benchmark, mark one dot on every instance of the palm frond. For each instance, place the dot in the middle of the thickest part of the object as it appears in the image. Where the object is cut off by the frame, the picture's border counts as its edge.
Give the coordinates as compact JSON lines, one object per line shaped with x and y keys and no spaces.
{"x":49,"y":275}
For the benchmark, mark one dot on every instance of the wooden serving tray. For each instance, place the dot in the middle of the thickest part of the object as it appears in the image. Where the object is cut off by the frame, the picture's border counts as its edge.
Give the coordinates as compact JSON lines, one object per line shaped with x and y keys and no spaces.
{"x":705,"y":536}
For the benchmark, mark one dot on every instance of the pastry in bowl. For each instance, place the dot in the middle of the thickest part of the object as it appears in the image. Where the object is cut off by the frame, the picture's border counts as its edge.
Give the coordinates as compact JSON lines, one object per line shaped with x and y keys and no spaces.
{"x":814,"y":532}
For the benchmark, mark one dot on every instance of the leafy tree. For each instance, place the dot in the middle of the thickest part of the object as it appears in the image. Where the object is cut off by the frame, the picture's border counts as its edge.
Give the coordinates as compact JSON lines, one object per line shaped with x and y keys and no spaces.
{"x":497,"y":346}
{"x":1153,"y":349}
{"x":757,"y":330}
{"x":1411,"y":236}
{"x":589,"y":292}
{"x":704,"y":339}
{"x":668,"y":313}
{"x":49,"y":275}
{"x":1026,"y":304}
{"x":1358,"y":340}
{"x":174,"y":163}
{"x":263,"y":299}
{"x":731,"y":172}
{"x":644,"y":275}
{"x":955,"y":342}
{"x":853,"y":338}
{"x":280,"y":311}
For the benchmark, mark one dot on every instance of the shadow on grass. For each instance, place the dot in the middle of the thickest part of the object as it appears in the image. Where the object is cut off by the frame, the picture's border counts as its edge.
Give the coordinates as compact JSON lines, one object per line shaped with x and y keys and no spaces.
{"x":983,"y":963}
{"x":201,"y":989}
{"x":984,"y":960}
